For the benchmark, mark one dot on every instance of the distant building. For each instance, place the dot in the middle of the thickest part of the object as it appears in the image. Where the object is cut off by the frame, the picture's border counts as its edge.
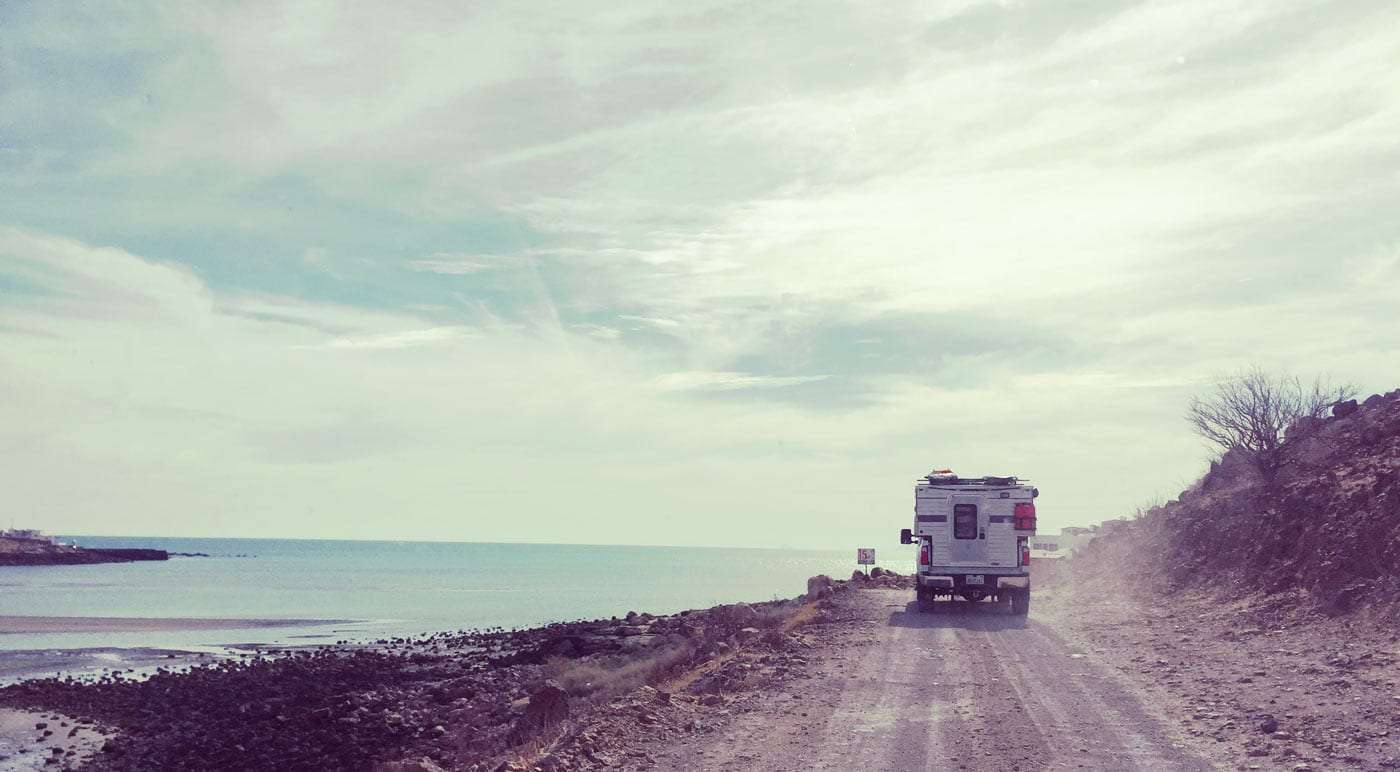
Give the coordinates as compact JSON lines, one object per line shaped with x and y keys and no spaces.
{"x":1108,"y":526}
{"x":27,"y":535}
{"x":1065,"y":543}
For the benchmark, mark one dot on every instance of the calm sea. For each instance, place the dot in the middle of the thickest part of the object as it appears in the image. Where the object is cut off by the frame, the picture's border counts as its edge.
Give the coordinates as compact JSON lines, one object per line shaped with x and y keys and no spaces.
{"x":395,"y":588}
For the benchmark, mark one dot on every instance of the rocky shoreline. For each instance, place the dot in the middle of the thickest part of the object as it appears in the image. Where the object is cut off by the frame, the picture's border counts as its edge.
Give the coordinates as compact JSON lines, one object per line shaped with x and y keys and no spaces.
{"x":483,"y":699}
{"x":17,"y":553}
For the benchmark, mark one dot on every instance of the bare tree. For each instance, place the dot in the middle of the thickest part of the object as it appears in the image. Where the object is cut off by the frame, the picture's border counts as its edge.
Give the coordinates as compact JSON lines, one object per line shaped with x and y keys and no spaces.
{"x":1250,"y":412}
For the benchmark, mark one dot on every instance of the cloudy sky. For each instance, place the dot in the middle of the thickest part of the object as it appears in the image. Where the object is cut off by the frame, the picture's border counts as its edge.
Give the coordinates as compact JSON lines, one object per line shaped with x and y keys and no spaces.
{"x":677,"y":273}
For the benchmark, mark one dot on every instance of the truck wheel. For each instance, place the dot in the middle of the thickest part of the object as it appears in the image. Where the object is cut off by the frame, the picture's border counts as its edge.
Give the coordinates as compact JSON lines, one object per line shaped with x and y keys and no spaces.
{"x":925,"y":600}
{"x":1021,"y":602}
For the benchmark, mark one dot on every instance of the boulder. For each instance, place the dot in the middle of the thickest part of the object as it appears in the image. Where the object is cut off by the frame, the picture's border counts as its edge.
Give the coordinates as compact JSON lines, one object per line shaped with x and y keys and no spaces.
{"x":1344,"y":408}
{"x":738,"y":614}
{"x":548,"y":705}
{"x":819,"y":586}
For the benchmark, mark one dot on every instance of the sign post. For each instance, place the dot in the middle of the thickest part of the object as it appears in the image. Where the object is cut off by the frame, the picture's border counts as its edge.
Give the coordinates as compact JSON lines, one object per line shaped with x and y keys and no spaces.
{"x":865,"y":556}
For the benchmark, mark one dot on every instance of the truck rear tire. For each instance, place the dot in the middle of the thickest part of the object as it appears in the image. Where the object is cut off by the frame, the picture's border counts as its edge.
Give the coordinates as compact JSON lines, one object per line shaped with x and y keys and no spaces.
{"x":1021,"y":602}
{"x":924,"y":599}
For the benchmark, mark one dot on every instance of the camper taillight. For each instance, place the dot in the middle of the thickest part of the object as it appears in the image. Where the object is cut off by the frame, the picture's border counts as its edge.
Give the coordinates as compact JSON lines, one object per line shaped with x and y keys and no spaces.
{"x":923,"y":554}
{"x":1025,"y":554}
{"x":1025,"y":516}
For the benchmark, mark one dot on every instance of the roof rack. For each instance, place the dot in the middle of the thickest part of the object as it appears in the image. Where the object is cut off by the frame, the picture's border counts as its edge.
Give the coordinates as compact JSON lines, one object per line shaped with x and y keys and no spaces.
{"x":998,"y":482}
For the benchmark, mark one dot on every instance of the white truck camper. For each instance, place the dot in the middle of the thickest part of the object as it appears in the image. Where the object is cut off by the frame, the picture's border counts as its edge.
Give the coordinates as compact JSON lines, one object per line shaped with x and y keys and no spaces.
{"x":974,"y":539}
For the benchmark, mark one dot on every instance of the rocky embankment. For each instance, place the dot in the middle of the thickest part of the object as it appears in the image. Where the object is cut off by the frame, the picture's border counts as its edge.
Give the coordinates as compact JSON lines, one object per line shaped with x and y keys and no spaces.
{"x":1265,"y":613}
{"x":16,"y":553}
{"x":560,"y":696}
{"x":1323,"y":537}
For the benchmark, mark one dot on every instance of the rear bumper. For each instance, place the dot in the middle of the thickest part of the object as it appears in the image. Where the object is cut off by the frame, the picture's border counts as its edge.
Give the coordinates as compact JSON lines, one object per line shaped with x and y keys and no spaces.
{"x":950,"y":581}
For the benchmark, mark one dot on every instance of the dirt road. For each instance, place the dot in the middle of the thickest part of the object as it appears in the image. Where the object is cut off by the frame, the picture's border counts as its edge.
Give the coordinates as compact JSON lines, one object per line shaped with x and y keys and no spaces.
{"x":890,"y":688}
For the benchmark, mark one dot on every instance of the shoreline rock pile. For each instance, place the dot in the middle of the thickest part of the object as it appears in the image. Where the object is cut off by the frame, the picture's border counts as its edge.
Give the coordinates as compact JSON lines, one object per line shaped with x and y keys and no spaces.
{"x":453,"y":699}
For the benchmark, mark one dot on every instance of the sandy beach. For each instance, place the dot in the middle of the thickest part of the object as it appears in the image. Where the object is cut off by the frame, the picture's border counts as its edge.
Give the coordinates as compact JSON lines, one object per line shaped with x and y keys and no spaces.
{"x":11,"y":625}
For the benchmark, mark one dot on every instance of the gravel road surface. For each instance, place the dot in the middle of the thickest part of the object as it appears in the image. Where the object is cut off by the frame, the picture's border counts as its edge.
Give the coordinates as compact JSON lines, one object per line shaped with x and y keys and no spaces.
{"x":966,"y":687}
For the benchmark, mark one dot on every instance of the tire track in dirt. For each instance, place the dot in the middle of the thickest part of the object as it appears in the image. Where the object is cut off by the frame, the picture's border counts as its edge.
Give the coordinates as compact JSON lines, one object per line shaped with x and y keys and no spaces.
{"x":966,"y":687}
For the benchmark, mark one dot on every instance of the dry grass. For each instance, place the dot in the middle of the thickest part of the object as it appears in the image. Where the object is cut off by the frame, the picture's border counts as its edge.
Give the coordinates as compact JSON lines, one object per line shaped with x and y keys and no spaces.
{"x":775,"y":620}
{"x":771,"y":618}
{"x":601,"y":678}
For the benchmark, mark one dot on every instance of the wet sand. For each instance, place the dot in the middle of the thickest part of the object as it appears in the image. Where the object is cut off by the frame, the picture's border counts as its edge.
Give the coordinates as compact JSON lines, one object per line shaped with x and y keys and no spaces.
{"x":44,"y":625}
{"x":33,"y":739}
{"x":91,"y":662}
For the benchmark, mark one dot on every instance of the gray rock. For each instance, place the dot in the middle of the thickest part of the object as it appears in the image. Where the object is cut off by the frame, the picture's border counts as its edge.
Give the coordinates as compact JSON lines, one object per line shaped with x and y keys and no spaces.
{"x":741,"y":614}
{"x":548,"y":705}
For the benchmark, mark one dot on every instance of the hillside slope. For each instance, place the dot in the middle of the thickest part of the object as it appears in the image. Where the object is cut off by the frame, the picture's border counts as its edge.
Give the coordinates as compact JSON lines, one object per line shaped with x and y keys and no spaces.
{"x":1325,"y":537}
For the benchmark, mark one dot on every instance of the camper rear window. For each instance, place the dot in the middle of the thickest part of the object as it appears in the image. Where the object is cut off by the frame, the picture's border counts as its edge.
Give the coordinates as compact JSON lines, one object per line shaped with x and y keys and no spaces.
{"x":964,"y":521}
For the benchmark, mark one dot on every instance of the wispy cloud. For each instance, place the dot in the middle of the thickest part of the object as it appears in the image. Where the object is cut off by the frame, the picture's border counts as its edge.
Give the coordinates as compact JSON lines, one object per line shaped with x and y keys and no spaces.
{"x":668,"y":324}
{"x":712,"y":381}
{"x":465,"y":264}
{"x":402,"y":339}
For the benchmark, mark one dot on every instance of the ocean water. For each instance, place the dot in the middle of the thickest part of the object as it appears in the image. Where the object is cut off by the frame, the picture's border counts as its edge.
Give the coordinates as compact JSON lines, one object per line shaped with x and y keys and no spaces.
{"x":394,"y":588}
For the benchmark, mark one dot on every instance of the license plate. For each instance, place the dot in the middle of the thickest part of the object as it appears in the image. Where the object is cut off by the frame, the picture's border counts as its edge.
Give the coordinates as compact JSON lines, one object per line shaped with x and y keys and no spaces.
{"x":974,"y":579}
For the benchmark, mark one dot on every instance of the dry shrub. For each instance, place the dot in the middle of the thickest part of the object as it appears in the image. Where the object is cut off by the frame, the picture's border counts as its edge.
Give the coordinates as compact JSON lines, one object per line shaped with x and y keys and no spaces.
{"x":603,"y":677}
{"x":770,"y":618}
